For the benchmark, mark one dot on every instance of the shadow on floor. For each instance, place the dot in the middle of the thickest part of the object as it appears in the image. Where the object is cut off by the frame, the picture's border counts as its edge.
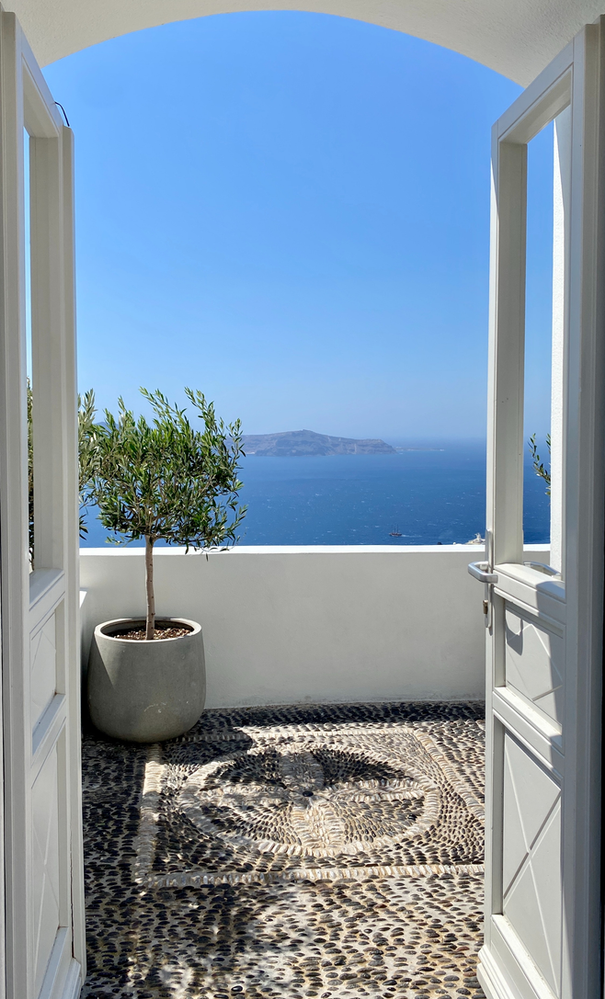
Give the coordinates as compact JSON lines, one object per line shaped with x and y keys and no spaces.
{"x":331,"y":851}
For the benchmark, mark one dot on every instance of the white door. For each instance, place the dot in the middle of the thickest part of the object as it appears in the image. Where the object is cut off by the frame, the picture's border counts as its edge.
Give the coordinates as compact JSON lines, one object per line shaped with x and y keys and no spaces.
{"x":44,"y":911}
{"x":545,"y":624}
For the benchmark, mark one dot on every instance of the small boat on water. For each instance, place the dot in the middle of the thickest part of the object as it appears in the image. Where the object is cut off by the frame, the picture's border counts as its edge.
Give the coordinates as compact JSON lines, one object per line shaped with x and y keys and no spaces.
{"x":395,"y":533}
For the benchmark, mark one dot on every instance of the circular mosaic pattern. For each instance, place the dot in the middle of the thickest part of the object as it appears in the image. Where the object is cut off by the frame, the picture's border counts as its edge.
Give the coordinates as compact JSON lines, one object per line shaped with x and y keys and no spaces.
{"x":255,"y":930}
{"x":309,"y":801}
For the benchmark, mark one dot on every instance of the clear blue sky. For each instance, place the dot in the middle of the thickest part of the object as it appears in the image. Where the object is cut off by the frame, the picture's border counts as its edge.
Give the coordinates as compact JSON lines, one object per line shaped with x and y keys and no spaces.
{"x":290,"y":212}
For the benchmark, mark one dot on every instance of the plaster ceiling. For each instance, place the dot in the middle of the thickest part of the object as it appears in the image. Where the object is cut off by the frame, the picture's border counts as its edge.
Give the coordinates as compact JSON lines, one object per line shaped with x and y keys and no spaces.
{"x":515,"y":37}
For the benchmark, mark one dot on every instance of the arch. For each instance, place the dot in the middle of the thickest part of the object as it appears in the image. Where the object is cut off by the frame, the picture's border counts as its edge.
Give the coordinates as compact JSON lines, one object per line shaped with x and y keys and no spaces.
{"x":514,"y":37}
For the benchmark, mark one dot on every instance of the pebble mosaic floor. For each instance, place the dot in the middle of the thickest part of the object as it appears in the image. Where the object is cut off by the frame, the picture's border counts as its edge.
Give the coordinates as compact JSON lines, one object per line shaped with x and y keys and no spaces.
{"x":284,"y":853}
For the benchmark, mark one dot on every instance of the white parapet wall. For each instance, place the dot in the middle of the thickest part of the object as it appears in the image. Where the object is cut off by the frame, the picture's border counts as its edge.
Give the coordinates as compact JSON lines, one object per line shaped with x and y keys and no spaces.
{"x":317,"y":624}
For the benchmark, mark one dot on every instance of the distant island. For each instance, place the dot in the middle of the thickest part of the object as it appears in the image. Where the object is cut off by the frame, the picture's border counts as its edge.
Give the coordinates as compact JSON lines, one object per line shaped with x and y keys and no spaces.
{"x":297,"y":443}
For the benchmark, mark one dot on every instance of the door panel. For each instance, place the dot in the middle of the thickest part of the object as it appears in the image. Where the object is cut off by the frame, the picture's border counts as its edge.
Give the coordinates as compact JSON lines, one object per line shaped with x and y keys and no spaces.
{"x":40,"y":665}
{"x":544,"y":624}
{"x":43,"y":656}
{"x":532,"y":890}
{"x":534,"y":661}
{"x":46,"y":875}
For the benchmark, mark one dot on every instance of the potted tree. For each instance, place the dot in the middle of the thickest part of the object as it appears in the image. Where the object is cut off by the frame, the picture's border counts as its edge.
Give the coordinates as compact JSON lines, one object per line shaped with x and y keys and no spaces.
{"x":162,"y":481}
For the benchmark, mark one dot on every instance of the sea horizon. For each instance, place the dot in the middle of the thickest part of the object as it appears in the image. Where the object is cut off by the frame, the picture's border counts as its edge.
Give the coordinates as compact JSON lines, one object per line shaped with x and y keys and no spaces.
{"x":430,"y":492}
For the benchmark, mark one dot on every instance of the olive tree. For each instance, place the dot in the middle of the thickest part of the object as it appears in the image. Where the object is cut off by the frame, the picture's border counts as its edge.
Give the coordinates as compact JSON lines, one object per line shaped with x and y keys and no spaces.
{"x":167,"y":479}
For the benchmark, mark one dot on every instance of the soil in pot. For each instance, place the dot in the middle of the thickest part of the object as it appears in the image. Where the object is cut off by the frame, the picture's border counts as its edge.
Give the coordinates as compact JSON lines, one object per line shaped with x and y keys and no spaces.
{"x":139,"y":634}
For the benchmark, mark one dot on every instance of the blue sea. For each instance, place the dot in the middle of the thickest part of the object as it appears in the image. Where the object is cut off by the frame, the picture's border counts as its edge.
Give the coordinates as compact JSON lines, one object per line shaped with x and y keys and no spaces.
{"x":427,"y":495}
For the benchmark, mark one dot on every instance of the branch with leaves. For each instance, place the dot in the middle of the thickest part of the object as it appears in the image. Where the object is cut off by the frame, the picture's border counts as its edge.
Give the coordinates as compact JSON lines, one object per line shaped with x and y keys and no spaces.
{"x":539,"y":468}
{"x":86,"y":422}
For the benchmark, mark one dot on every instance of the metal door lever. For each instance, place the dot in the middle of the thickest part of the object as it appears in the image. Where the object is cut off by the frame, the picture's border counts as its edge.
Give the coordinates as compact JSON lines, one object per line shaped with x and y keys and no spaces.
{"x":479,"y":571}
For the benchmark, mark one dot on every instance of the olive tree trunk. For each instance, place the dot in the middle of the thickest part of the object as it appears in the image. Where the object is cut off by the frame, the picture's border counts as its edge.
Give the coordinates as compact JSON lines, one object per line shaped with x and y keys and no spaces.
{"x":150,"y":622}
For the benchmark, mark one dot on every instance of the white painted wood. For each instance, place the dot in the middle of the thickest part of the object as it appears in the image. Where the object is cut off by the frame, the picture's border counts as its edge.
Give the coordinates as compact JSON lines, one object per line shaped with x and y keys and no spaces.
{"x":544,"y":643}
{"x":43,"y":890}
{"x":531,"y":884}
{"x":43,"y":657}
{"x":46,"y":876}
{"x":561,"y":208}
{"x":534,"y":661}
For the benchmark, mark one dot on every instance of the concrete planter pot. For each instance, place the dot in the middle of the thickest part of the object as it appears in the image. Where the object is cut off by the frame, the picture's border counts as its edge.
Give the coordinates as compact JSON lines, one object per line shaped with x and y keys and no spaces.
{"x":146,"y":691}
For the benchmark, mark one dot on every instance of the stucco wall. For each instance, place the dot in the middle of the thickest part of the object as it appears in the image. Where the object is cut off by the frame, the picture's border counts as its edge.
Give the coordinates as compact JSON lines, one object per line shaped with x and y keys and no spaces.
{"x":515,"y":37}
{"x":288,"y":625}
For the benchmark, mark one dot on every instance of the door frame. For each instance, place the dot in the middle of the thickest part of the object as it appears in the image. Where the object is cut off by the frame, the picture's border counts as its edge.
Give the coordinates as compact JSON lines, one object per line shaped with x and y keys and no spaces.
{"x":29,"y":598}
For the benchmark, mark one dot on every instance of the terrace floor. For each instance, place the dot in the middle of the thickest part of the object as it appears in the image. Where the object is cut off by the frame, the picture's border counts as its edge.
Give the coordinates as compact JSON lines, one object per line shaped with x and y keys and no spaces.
{"x":280,"y":853}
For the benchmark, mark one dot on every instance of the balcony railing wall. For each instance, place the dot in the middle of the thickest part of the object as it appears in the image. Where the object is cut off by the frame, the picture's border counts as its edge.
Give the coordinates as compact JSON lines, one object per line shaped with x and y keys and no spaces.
{"x":319,"y":624}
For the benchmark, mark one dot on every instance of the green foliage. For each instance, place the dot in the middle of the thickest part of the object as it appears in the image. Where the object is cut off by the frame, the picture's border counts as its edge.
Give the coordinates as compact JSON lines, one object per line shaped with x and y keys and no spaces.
{"x":167,"y":480}
{"x":86,"y":420}
{"x":86,"y":450}
{"x":539,"y":467}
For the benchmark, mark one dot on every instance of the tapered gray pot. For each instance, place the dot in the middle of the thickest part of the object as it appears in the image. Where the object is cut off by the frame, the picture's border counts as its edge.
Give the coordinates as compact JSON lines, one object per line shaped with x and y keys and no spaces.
{"x":146,"y":691}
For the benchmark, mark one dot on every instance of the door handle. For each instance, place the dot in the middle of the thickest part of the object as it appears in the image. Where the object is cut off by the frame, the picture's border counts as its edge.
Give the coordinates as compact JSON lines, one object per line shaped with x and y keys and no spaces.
{"x":480,"y":571}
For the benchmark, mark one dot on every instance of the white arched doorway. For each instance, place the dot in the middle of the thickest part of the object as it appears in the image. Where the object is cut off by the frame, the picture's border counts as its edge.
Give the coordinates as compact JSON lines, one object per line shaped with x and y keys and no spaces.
{"x":42,"y":957}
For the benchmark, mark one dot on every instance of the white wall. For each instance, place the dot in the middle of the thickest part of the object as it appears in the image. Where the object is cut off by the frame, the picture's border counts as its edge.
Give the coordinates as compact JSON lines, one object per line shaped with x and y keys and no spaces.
{"x":515,"y":38}
{"x":288,"y":625}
